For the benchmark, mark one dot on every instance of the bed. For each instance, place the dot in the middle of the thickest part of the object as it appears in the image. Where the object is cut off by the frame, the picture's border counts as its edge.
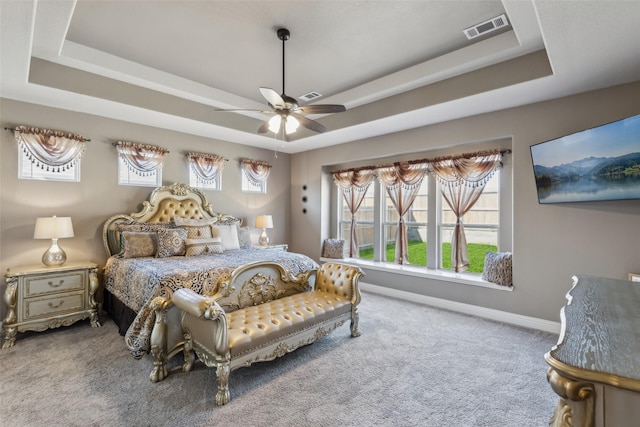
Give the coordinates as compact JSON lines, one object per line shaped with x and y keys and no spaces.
{"x":177,"y":241}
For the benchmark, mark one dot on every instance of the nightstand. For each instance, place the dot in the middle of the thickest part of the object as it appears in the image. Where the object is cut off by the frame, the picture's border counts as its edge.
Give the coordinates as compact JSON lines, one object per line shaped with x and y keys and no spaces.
{"x":40,"y":297}
{"x":282,"y":247}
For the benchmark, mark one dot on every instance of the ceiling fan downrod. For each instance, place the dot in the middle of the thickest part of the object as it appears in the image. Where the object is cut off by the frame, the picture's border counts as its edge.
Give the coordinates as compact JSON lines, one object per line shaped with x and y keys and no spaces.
{"x":283,"y":34}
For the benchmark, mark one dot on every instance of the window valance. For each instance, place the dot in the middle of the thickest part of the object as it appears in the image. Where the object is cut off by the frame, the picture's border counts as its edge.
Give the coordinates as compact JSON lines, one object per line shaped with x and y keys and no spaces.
{"x":141,"y":159}
{"x":256,"y":171}
{"x":206,"y":167}
{"x":468,"y":166}
{"x":50,"y":150}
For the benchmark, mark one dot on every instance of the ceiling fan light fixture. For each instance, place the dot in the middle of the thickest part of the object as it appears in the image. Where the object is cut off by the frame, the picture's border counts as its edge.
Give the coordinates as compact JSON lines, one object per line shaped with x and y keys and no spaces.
{"x":291,"y":124}
{"x":274,"y":123}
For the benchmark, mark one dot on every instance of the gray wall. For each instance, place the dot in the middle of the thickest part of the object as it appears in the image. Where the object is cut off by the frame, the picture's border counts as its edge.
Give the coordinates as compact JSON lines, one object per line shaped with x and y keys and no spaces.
{"x":551,"y":243}
{"x":98,"y":196}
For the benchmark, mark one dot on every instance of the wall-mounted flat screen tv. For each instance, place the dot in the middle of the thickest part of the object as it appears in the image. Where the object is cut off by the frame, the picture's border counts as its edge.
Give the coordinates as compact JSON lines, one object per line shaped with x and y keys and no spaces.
{"x":602,"y":163}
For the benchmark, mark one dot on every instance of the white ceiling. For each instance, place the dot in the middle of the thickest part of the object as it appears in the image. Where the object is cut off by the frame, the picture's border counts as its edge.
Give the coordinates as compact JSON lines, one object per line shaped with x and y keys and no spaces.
{"x":395,"y":65}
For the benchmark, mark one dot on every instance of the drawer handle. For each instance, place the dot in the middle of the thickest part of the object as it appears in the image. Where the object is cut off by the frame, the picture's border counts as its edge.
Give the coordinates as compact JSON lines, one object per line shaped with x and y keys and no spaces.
{"x":51,"y":305}
{"x":56,"y":286}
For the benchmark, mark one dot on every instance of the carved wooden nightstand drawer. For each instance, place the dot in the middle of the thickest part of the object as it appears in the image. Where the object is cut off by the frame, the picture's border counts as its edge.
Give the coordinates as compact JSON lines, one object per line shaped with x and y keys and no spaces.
{"x":40,"y":297}
{"x":54,"y":283}
{"x":44,"y":306}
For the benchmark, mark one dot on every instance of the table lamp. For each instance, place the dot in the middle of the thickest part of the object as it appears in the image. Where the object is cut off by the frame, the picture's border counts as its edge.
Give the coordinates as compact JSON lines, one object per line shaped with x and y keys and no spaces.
{"x":53,"y":228}
{"x":264,"y":222}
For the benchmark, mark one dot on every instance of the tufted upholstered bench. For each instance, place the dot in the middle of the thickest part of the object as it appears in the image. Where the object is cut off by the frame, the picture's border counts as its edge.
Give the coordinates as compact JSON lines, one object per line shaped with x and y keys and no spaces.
{"x":269,"y":329}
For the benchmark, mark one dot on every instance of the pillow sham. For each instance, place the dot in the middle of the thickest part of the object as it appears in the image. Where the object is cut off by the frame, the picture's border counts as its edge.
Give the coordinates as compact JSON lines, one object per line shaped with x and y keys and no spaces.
{"x":198,"y":232}
{"x":135,"y":226}
{"x":228,"y":234}
{"x":137,"y":244}
{"x":498,"y":268}
{"x":244,"y":238}
{"x":209,"y":246}
{"x":171,"y":242}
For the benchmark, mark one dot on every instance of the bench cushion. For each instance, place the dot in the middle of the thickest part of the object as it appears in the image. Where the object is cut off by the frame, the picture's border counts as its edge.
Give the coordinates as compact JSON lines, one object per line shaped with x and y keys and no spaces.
{"x":259,"y":325}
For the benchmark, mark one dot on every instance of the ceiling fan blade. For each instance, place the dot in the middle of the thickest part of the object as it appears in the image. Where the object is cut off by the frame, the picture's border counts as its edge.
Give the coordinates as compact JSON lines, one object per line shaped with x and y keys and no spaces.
{"x":310,"y":124}
{"x":236,"y":110}
{"x":322,"y":109}
{"x":264,"y":127}
{"x":272,"y":97}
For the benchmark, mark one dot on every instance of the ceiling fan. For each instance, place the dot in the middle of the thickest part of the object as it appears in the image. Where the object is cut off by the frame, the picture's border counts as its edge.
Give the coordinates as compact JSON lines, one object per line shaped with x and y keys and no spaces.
{"x":287,"y":113}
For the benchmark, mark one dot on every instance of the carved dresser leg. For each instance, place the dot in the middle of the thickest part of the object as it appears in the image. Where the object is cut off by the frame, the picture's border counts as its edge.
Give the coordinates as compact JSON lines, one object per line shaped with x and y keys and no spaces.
{"x":576,"y":404}
{"x":9,"y":331}
{"x":93,"y":304}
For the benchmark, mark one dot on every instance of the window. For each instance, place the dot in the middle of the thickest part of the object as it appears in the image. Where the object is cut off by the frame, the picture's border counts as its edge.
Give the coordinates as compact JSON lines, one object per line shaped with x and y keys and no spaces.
{"x":49,"y":155}
{"x":254,"y":175}
{"x":215,"y":184}
{"x":140,"y":164}
{"x":481,"y":226}
{"x":205,"y":170}
{"x":127,"y":176}
{"x":430,"y":224}
{"x":28,"y":170}
{"x":416,"y":220}
{"x":253,"y":187}
{"x":365,"y":227}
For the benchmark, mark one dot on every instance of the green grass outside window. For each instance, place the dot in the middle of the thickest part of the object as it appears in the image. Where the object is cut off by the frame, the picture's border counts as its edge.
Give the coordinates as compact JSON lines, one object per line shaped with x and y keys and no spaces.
{"x":418,"y":254}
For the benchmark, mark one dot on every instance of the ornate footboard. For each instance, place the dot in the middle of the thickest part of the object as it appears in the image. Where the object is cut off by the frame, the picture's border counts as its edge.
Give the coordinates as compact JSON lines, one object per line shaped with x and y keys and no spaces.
{"x":247,"y":286}
{"x":265,"y":328}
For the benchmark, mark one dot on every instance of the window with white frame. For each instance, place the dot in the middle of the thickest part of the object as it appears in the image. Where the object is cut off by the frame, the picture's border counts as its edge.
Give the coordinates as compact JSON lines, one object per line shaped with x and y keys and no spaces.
{"x":127,"y":176}
{"x":254,"y":176}
{"x":481,"y":226}
{"x":205,"y":171}
{"x":253,"y":187}
{"x":140,"y":164}
{"x":27,"y":169}
{"x":49,"y":155}
{"x":430,"y":224}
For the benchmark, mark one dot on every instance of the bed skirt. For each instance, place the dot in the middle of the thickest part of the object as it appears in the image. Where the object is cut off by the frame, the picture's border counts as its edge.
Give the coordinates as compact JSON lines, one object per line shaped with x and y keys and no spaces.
{"x":122,"y":315}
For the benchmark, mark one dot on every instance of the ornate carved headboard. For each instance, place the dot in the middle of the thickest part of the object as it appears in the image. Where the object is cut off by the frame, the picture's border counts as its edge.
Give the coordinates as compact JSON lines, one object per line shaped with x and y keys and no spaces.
{"x":164,"y":204}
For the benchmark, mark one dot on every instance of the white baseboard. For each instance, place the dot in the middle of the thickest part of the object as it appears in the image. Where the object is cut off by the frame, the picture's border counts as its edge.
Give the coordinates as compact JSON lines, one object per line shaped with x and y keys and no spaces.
{"x":474,"y":310}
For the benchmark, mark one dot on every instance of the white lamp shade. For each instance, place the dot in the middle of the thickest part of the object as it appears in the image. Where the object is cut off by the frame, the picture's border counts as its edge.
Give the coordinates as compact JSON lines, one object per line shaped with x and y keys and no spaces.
{"x":53,"y":228}
{"x":264,"y":221}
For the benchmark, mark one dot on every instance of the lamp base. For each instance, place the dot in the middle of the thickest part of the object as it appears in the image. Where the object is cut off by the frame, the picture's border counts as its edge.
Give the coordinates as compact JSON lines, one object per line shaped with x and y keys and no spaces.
{"x":54,"y":255}
{"x":264,"y":239}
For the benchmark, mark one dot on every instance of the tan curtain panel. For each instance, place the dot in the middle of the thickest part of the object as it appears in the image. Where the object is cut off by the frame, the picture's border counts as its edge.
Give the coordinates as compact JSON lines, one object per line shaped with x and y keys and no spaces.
{"x":206,"y":167}
{"x":354,"y":185}
{"x":462,"y":181}
{"x":50,"y":150}
{"x":402,"y":182}
{"x":141,"y":159}
{"x":256,"y":172}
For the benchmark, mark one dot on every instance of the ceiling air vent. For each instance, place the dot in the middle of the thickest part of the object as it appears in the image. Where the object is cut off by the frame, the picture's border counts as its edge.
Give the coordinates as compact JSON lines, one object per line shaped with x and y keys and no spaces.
{"x":486,"y":27}
{"x":309,"y":96}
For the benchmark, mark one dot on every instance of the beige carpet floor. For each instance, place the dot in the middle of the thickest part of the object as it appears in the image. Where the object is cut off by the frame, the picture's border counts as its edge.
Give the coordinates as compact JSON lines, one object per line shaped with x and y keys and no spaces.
{"x":414,"y":365}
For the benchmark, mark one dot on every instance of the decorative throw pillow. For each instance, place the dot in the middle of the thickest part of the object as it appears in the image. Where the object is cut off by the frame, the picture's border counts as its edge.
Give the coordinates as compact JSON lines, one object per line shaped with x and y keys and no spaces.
{"x":171,"y":242}
{"x":138,"y":244}
{"x":244,"y":237}
{"x":204,"y":246}
{"x":199,"y":232}
{"x":228,"y":234}
{"x":333,"y":248}
{"x":498,"y":268}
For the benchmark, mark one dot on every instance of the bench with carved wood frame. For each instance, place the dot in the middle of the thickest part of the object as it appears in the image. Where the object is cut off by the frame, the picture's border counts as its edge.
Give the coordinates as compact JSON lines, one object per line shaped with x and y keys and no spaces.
{"x":264,"y":327}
